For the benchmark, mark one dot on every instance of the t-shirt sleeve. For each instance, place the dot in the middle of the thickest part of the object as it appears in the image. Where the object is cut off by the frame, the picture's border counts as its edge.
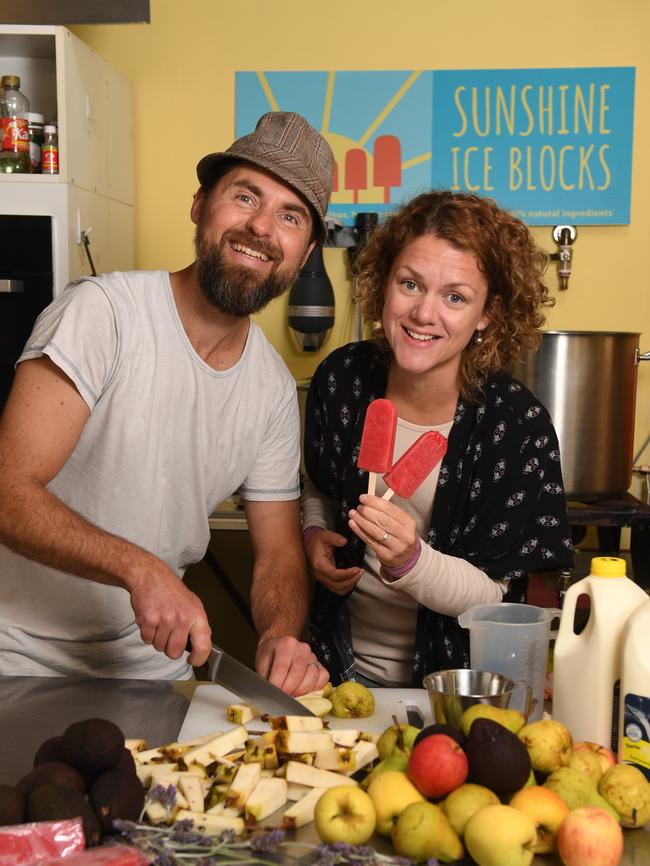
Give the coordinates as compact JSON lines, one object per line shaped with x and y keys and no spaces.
{"x":275,"y":472}
{"x":78,"y":332}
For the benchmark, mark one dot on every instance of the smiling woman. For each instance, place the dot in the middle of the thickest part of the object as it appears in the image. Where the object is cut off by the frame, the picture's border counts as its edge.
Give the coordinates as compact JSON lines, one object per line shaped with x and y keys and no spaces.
{"x":452,"y":287}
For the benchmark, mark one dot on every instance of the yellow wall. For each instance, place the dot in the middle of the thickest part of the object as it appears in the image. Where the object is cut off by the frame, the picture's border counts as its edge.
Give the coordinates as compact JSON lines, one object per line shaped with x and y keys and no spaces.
{"x":182,"y":65}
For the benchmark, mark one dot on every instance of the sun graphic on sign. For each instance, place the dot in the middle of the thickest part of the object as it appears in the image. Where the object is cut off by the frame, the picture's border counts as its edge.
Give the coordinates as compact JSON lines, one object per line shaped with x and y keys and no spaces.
{"x":379,"y":134}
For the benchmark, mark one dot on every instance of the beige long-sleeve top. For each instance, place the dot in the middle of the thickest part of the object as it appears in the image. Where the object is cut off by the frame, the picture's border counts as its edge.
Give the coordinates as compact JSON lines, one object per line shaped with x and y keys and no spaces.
{"x":383,"y":610}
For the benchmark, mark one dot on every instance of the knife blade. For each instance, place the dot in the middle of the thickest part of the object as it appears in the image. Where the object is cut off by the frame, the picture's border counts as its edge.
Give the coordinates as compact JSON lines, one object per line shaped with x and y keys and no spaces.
{"x":254,"y":689}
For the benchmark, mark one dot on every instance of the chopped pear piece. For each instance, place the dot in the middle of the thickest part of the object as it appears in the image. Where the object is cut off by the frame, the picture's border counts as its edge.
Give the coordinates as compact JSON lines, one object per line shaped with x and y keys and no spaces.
{"x":213,"y":825}
{"x":296,"y":723}
{"x":191,"y":788}
{"x":144,"y":771}
{"x":299,"y":742}
{"x":239,"y":714}
{"x":267,"y":796}
{"x":248,"y":775}
{"x":177,"y":750}
{"x":158,"y":814}
{"x":364,"y":753}
{"x":302,"y":812}
{"x":303,"y":774}
{"x":217,"y":747}
{"x":297,"y":792}
{"x":319,"y":706}
{"x":345,"y":738}
{"x":135,"y":745}
{"x":146,"y":756}
{"x":336,"y":759}
{"x":367,"y":737}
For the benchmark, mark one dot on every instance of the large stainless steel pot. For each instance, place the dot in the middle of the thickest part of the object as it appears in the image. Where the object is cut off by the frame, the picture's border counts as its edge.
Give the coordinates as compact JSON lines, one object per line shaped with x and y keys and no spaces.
{"x":587,"y":381}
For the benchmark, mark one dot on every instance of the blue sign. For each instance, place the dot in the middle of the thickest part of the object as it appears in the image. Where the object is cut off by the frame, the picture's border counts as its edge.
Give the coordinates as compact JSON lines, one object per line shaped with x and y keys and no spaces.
{"x":553,"y":145}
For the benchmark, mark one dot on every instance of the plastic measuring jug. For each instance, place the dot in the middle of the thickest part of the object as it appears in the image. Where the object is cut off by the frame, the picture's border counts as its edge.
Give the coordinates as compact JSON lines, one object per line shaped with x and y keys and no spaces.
{"x":512,"y":639}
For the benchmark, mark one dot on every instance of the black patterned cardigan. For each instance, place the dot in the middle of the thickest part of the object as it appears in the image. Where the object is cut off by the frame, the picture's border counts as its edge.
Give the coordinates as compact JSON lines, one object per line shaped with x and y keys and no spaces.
{"x":499,"y":502}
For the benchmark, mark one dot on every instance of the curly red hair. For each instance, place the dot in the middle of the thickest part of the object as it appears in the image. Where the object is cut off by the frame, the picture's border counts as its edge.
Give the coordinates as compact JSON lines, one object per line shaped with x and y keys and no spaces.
{"x":507,"y":255}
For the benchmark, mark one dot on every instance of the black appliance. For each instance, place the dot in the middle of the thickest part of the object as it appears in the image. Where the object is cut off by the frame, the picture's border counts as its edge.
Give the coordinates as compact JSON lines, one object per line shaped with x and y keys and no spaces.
{"x":26,"y":286}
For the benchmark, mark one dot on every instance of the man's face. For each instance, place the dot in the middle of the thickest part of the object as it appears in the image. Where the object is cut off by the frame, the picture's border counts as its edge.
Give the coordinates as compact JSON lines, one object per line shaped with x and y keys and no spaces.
{"x":253,"y":235}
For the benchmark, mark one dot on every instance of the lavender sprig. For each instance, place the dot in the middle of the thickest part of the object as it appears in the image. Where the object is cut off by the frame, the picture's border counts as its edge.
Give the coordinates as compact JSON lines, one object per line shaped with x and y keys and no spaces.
{"x":180,"y":845}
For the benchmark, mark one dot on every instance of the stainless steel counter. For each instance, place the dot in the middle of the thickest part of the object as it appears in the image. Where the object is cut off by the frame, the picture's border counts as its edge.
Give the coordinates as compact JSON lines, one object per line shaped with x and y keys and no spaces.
{"x":35,"y":708}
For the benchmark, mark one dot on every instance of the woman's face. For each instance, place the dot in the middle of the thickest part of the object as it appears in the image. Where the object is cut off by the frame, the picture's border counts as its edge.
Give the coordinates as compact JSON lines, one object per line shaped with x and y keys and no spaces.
{"x":434,"y":302}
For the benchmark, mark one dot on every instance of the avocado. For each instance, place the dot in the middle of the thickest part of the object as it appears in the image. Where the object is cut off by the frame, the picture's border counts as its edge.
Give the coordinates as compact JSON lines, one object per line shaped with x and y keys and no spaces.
{"x":116,"y":794}
{"x":497,"y":758}
{"x":52,"y":773}
{"x":126,"y":762}
{"x":93,"y":746}
{"x":12,"y":805}
{"x":53,"y":802}
{"x":50,"y":750}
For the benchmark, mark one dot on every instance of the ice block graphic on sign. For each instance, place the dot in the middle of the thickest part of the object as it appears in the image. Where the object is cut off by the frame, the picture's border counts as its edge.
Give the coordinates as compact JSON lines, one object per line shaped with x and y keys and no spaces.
{"x":415,"y":464}
{"x":378,"y":440}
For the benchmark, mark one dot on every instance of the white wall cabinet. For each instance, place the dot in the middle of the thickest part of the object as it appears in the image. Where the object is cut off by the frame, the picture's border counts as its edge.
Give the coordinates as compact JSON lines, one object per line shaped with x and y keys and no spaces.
{"x":67,"y":81}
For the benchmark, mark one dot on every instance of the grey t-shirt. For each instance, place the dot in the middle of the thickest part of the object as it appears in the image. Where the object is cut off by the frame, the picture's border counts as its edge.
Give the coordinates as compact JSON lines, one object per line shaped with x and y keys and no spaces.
{"x":167,"y":440}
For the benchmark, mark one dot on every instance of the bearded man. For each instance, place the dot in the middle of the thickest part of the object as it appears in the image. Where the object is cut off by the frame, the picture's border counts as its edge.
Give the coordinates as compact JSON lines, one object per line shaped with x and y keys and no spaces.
{"x":141,"y":401}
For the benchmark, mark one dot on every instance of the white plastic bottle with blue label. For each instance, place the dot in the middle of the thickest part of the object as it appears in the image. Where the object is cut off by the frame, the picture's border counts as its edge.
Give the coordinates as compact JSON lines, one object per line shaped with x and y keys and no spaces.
{"x":587,"y":666}
{"x":634,"y":730}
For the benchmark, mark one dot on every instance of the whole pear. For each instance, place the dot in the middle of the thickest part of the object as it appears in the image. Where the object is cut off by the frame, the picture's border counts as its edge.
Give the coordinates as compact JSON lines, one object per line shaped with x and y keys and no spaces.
{"x":465,"y":801}
{"x":549,"y":744}
{"x":587,"y":763}
{"x":352,"y":700}
{"x":513,"y":720}
{"x":397,"y":737}
{"x":627,"y":790}
{"x":391,"y":792}
{"x":577,"y":790}
{"x":396,"y":761}
{"x":500,"y":836}
{"x":422,"y":832}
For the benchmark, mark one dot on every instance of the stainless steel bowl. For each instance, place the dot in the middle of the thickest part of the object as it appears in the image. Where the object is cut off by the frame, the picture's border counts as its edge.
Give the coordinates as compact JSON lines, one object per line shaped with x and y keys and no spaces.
{"x":451,"y":692}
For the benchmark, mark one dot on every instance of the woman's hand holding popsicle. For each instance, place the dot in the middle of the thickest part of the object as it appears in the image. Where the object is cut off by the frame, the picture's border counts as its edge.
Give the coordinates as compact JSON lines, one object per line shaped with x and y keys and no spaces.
{"x":320,"y":553}
{"x":385,"y":527}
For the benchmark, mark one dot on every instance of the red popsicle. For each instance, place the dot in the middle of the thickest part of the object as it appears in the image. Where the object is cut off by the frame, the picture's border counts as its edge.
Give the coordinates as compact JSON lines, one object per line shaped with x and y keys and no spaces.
{"x":378,"y":440}
{"x":415,"y":464}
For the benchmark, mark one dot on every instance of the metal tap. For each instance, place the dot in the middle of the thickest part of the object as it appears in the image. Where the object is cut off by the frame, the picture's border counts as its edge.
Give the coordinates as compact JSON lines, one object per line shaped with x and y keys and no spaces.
{"x":564,"y":236}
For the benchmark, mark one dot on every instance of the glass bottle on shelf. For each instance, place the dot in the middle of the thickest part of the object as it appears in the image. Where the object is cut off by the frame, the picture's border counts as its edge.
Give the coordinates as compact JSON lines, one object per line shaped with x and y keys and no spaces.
{"x":50,"y":151}
{"x":14,"y":124}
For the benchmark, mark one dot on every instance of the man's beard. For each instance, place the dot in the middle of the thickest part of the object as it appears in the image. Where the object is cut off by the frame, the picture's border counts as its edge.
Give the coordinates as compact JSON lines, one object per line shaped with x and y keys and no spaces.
{"x":236,"y":289}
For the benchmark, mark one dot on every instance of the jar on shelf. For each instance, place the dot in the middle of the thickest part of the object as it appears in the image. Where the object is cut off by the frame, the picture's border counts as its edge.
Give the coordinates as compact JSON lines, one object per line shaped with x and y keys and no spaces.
{"x":50,"y":151}
{"x":36,"y":124}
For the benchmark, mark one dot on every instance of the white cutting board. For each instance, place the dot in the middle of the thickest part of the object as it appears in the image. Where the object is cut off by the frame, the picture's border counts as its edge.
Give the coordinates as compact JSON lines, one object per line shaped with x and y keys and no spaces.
{"x":207,"y":712}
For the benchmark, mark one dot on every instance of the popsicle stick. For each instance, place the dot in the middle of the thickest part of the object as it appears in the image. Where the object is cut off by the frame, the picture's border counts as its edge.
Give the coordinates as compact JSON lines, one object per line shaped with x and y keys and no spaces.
{"x":372,"y":483}
{"x":388,"y":494}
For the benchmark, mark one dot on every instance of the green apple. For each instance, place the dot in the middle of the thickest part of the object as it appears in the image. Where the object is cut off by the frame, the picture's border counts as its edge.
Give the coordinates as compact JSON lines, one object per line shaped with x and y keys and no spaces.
{"x":588,"y":836}
{"x":423,"y":832}
{"x":391,"y":792}
{"x":345,"y":813}
{"x":465,"y":801}
{"x":500,"y":836}
{"x":400,"y":737}
{"x":546,"y":810}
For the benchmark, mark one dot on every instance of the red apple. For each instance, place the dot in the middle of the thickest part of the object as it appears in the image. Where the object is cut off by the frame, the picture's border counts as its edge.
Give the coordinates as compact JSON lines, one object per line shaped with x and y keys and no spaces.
{"x":437,"y":766}
{"x":605,"y":756}
{"x":589,"y":836}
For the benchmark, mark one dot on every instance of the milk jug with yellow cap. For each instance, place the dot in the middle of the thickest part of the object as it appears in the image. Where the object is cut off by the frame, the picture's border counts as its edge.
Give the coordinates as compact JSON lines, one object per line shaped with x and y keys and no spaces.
{"x":587,"y":666}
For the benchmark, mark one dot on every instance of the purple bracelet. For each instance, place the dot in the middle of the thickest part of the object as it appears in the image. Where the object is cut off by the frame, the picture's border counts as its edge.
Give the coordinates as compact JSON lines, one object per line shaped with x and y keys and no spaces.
{"x":401,"y":570}
{"x":309,"y":531}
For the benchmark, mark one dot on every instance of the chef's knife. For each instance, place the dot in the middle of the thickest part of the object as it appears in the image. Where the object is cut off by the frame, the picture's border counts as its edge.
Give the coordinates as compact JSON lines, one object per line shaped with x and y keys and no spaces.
{"x":253,"y":688}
